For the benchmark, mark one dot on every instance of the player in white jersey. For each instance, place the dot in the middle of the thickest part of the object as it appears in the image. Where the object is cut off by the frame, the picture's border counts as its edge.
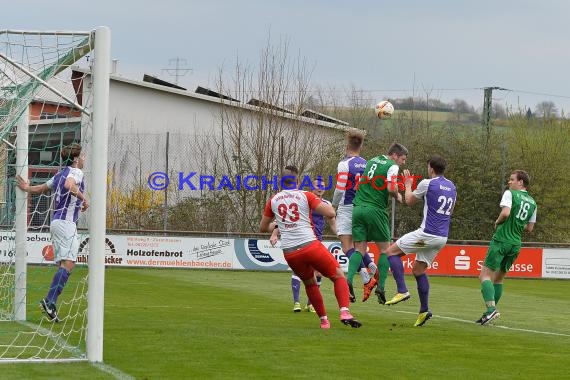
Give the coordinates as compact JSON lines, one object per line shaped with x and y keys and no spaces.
{"x":291,"y":209}
{"x":68,"y":189}
{"x":318,"y":222}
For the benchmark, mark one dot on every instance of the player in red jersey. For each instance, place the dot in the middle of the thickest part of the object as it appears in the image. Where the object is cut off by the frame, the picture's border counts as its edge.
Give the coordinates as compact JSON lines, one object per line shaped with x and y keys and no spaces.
{"x":291,"y":208}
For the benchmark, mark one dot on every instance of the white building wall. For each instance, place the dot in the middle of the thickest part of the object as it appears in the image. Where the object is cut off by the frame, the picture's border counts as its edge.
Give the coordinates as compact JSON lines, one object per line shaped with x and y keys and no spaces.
{"x":142,"y":113}
{"x":148,"y":110}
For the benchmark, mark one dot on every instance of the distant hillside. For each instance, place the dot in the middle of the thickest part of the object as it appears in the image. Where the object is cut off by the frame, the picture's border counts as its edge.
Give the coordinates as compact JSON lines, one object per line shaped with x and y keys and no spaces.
{"x":438,"y":116}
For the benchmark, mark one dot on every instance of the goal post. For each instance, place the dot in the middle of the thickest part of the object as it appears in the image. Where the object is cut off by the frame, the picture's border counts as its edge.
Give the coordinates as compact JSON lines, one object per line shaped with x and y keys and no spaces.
{"x":100,"y":116}
{"x":45,"y":104}
{"x":21,"y":220}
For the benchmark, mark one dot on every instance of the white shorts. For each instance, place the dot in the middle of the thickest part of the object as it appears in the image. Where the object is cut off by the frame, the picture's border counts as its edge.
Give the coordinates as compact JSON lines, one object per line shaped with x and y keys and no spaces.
{"x":344,"y":220}
{"x":425,"y":246}
{"x":64,"y":239}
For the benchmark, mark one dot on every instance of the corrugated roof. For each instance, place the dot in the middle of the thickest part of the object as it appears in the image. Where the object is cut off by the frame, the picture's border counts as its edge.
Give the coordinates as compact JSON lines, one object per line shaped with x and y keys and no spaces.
{"x":322,"y":116}
{"x":262,"y":104}
{"x":207,"y":91}
{"x":285,"y":114}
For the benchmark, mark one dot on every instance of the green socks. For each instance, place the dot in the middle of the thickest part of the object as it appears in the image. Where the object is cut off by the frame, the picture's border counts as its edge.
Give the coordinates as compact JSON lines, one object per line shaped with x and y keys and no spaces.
{"x":353,"y":265}
{"x":488,"y":291}
{"x":498,"y":292}
{"x":383,"y":267}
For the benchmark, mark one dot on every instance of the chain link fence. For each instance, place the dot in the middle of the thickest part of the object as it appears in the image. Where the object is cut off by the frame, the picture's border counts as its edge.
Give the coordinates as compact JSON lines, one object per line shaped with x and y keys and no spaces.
{"x":201,"y":183}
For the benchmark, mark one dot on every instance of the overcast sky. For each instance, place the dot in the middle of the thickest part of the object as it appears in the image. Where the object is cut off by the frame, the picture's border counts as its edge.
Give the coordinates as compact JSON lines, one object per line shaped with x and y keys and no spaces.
{"x":448,"y":48}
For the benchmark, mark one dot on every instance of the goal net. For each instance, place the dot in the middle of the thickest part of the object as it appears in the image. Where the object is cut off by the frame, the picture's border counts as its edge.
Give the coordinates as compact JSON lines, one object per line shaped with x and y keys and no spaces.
{"x":47,"y":103}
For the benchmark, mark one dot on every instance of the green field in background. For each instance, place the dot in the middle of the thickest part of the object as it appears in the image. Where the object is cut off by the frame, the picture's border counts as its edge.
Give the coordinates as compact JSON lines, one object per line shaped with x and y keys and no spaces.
{"x":198,"y":324}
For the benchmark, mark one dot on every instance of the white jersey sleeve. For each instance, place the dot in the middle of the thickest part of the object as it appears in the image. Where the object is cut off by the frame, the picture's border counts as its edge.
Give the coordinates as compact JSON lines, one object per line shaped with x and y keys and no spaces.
{"x":392,"y":173}
{"x":76,"y":174}
{"x":421,"y":190}
{"x":507,"y":199}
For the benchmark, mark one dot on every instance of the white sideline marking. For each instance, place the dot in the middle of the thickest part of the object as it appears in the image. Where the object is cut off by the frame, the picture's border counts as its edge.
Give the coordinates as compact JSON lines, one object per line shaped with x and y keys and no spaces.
{"x":495,"y":326}
{"x":115,"y":372}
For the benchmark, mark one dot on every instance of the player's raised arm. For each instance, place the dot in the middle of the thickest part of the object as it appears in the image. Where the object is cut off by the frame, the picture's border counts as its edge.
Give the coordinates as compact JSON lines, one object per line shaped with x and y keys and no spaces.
{"x":317,"y":205}
{"x":413,"y":196}
{"x":392,"y":185}
{"x":325,"y":210}
{"x":24,"y":185}
{"x":332,"y":224}
{"x":342,"y":183}
{"x":265,"y":224}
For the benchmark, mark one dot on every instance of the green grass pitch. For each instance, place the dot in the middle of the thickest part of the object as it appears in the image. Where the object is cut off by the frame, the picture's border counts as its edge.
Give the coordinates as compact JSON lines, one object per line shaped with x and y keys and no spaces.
{"x":198,"y":324}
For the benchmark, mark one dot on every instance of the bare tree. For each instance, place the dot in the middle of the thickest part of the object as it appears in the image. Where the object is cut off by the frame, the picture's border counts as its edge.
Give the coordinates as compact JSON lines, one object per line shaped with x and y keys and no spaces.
{"x":546,"y":109}
{"x":131,"y":203}
{"x":460,"y":107}
{"x":498,"y":111}
{"x":263,"y":131}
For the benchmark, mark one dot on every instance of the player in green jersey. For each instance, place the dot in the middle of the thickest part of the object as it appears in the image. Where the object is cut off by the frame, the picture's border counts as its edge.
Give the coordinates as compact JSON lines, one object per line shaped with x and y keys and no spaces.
{"x":370,"y":217}
{"x":518,"y":214}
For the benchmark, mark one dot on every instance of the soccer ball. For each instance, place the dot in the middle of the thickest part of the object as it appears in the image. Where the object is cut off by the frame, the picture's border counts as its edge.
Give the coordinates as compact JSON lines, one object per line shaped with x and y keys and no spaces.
{"x":384,"y":109}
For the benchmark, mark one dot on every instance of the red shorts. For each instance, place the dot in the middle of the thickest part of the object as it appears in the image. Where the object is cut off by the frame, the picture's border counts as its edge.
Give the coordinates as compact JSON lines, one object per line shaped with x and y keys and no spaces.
{"x":313,"y":257}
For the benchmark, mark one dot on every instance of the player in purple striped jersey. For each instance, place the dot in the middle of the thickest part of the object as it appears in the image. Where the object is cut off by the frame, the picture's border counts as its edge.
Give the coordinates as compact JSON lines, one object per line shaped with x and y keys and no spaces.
{"x":439,"y":195}
{"x":68,"y":190}
{"x":349,"y":169}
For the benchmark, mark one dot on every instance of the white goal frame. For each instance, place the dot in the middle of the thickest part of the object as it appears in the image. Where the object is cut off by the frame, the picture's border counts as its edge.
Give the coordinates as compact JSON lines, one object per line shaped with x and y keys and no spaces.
{"x":99,"y":113}
{"x":97,"y":222}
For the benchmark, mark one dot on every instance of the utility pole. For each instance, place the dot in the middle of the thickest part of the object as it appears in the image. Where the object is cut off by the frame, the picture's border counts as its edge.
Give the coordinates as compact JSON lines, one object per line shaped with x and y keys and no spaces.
{"x":177,"y":71}
{"x":488,"y":106}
